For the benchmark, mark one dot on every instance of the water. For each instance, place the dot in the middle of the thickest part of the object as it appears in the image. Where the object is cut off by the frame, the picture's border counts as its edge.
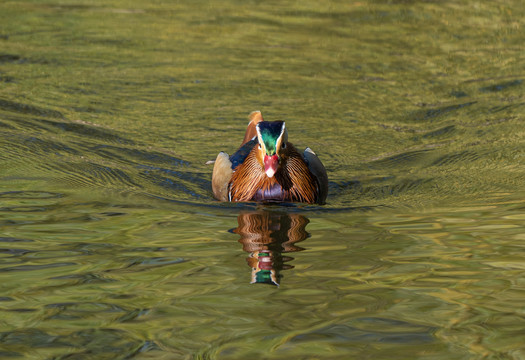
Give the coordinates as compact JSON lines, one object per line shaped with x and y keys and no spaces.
{"x":111,"y":246}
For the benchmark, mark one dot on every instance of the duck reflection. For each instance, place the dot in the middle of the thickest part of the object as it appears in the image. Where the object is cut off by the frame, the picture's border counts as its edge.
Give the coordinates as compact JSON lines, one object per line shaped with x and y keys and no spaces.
{"x":267,"y":235}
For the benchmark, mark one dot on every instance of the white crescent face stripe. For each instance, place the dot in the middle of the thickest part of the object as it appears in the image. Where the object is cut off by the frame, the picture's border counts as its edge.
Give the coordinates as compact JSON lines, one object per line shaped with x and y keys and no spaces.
{"x":260,"y":140}
{"x":283,"y":137}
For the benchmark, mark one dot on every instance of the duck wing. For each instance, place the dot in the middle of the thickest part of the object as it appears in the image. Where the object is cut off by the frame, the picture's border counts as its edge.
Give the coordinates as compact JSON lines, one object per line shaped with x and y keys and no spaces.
{"x":222,"y":174}
{"x":224,"y":167}
{"x":318,"y":170}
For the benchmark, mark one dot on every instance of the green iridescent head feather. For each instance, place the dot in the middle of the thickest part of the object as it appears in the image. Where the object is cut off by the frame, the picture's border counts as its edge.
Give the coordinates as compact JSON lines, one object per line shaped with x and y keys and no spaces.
{"x":270,"y":135}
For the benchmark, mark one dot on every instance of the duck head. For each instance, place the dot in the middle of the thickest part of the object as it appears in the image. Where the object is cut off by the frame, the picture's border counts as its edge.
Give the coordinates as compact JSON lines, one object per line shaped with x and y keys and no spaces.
{"x":272,"y":137}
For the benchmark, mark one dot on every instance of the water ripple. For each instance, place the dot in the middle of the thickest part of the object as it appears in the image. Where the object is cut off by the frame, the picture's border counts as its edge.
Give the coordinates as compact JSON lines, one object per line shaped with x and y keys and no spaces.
{"x":36,"y":267}
{"x":27,"y":109}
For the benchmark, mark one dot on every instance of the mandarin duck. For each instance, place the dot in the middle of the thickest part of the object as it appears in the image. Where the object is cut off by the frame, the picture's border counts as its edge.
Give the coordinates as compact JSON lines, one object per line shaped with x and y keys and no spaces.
{"x":267,"y":168}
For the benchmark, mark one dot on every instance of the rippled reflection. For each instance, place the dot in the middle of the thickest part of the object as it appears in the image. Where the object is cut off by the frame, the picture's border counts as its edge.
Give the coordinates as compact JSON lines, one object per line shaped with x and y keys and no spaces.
{"x":267,"y":235}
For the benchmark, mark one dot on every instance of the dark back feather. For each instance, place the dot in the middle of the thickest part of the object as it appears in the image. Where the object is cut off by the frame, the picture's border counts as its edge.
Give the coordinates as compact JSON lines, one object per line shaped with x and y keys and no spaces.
{"x":241,"y":154}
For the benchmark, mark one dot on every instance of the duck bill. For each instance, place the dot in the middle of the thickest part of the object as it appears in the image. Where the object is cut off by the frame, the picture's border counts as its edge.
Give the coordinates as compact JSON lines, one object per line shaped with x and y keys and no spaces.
{"x":270,"y":165}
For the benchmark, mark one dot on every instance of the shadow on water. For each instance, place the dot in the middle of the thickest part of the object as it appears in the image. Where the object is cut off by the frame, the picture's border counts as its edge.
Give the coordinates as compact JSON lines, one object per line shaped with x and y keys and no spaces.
{"x":266,"y":236}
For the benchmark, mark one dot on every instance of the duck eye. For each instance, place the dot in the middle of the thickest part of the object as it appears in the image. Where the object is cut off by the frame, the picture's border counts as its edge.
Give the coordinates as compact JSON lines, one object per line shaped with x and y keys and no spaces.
{"x":283,"y":146}
{"x":259,"y":146}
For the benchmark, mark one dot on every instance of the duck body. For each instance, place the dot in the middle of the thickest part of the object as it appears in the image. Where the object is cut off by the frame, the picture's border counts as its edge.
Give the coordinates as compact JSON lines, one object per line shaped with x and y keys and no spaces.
{"x":268,"y":168}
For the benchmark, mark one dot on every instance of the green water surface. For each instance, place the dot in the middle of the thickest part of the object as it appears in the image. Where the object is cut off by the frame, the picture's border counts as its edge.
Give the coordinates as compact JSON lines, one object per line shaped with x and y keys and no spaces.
{"x":111,"y":246}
